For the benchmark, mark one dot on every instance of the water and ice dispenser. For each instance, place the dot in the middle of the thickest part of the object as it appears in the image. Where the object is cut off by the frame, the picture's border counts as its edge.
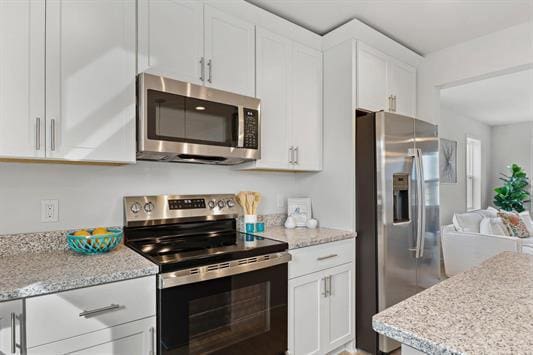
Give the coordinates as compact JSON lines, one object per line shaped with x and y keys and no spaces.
{"x":400,"y":186}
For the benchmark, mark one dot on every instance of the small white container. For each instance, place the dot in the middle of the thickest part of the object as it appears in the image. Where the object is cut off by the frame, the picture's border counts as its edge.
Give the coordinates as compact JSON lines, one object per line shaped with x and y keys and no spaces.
{"x":290,"y":223}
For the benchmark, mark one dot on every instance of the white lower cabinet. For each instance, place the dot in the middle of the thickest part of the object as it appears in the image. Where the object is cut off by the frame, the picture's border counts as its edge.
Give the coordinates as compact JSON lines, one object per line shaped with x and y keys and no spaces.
{"x":321,"y":303}
{"x":114,"y":318}
{"x":132,"y":338}
{"x":11,"y":333}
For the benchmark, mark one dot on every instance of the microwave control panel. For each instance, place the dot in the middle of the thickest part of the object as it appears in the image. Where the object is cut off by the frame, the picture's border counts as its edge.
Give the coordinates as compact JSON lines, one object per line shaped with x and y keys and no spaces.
{"x":251,"y":128}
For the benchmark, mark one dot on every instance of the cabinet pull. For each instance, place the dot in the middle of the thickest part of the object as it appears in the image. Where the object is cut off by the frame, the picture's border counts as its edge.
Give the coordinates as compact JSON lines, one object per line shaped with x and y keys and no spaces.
{"x":152,"y":341}
{"x":327,"y":257}
{"x":52,"y":134}
{"x":325,"y":293}
{"x":202,"y":69}
{"x":22,"y":334}
{"x":291,"y":155}
{"x":394,"y":102}
{"x":13,"y":333}
{"x":210,"y":71}
{"x":329,"y":286}
{"x":38,"y":133}
{"x":391,"y":109}
{"x":296,"y":155}
{"x":93,"y":312}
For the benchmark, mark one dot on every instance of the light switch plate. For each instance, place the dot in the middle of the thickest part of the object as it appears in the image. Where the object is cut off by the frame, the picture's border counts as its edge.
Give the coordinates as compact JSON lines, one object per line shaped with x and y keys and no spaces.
{"x":49,"y":211}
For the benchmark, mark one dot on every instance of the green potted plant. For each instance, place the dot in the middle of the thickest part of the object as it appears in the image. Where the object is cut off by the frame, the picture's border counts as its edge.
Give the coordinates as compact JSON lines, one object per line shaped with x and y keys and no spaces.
{"x":513,"y":194}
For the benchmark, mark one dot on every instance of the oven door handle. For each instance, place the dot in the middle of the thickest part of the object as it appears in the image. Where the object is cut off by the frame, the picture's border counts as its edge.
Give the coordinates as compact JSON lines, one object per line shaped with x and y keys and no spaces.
{"x":240,"y":131}
{"x":215,"y":271}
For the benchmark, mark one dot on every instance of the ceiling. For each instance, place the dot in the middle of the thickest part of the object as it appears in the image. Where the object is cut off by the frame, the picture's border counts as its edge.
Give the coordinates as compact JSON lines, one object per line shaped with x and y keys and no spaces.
{"x":499,"y":100}
{"x":423,"y":25}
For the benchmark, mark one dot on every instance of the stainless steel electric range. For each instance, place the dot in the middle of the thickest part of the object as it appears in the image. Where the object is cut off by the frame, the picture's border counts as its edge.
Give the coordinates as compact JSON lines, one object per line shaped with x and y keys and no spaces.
{"x":219,"y":291}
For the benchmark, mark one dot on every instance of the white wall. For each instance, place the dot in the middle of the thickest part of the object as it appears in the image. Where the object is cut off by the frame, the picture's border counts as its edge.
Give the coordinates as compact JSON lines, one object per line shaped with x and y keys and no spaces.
{"x":496,"y":53}
{"x":92,"y":195}
{"x":457,"y":127}
{"x":510,"y":144}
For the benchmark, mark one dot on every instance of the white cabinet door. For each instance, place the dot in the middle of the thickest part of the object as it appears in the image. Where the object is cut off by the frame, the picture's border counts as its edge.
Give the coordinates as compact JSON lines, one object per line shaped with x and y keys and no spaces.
{"x":229,"y":52}
{"x":11,"y":312}
{"x":306,"y":105}
{"x":306,"y":308}
{"x":134,"y":338}
{"x":171,"y":39}
{"x":402,"y":85}
{"x":371,"y":79}
{"x":273,"y":56}
{"x":22,"y":25}
{"x":90,"y":80}
{"x":340,"y":300}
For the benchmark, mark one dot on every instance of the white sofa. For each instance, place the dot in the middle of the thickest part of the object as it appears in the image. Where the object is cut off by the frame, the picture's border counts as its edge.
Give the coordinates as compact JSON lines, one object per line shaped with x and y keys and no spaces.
{"x":464,"y":250}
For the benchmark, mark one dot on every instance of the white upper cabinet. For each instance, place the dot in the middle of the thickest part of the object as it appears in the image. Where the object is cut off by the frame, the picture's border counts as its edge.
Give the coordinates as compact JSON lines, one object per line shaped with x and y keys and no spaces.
{"x":402,"y":86}
{"x":289,"y":84}
{"x":90,"y":80}
{"x":171,"y":39}
{"x":229,"y":52}
{"x":273,"y":56}
{"x":22,"y":79}
{"x":371,"y":79}
{"x":306,"y":105}
{"x":384,"y":83}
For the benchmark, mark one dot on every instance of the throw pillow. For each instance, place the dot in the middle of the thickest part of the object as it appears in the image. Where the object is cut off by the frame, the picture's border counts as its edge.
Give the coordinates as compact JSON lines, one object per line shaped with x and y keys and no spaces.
{"x":526,"y":218}
{"x":493,"y":226}
{"x":467,"y":222}
{"x":514,"y":224}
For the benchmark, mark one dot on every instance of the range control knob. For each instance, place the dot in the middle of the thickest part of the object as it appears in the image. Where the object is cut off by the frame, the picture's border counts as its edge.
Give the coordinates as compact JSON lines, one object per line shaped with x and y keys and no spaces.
{"x":148,"y":207}
{"x":136,"y":207}
{"x":221,"y":204}
{"x":230,"y":203}
{"x":211,"y":204}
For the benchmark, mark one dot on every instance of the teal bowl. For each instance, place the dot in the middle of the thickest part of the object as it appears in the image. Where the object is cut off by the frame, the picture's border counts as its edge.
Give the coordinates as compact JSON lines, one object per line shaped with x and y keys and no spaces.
{"x":96,"y":244}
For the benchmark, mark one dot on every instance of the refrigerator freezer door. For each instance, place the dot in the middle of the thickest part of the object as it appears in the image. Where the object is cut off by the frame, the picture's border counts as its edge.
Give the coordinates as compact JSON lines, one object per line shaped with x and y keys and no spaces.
{"x":396,"y":242}
{"x":428,"y":271}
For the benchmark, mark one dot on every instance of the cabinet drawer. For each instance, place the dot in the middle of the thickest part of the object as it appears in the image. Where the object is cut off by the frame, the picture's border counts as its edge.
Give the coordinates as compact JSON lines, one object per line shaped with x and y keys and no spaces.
{"x":66,"y":314}
{"x":320,"y":257}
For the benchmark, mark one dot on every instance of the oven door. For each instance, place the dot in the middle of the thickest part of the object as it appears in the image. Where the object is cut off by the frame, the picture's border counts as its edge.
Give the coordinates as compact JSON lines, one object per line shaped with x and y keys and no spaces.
{"x":240,"y":314}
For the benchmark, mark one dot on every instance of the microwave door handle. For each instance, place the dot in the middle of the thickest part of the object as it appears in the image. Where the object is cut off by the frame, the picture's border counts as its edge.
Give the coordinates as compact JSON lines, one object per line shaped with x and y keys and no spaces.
{"x":240,"y":131}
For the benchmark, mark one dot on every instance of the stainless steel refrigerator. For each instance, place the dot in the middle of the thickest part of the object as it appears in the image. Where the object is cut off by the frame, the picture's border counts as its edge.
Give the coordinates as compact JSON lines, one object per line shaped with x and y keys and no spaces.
{"x":397,"y":200}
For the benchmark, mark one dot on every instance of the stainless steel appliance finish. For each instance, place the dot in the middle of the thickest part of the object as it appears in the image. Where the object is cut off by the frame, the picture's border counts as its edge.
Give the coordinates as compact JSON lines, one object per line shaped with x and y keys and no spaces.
{"x":156,"y":210}
{"x":244,"y":146}
{"x":405,"y":244}
{"x":215,"y":271}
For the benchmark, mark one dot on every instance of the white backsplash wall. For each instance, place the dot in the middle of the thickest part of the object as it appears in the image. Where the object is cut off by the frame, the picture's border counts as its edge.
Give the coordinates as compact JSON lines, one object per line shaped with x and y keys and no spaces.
{"x":91,"y":196}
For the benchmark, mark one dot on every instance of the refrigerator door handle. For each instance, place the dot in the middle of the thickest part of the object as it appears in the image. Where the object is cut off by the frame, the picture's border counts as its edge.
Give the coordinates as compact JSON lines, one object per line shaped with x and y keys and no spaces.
{"x":416,"y":154}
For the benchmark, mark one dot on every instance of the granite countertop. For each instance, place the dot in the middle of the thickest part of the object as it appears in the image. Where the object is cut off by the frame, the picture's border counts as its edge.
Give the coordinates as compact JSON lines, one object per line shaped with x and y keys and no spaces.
{"x":488,"y":309}
{"x":305,"y":237}
{"x":54,"y":268}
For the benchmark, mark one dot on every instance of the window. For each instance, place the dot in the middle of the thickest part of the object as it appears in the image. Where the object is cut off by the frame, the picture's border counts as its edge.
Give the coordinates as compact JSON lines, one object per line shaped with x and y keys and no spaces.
{"x":473,"y":174}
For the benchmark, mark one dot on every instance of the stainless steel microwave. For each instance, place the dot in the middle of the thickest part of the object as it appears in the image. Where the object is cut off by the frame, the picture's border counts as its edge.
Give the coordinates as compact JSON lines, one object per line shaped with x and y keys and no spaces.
{"x":184,"y":122}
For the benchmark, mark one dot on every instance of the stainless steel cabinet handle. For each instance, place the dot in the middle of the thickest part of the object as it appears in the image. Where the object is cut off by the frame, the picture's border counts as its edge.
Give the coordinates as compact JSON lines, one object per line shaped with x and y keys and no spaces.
{"x":296,"y":155}
{"x":22,"y":334}
{"x":394,"y":103}
{"x":210,"y":71}
{"x":152,"y":341}
{"x":38,"y":133}
{"x":93,"y":312}
{"x":13,"y":333}
{"x":202,"y":69}
{"x":327,"y":257}
{"x":291,"y":155}
{"x":325,"y":293}
{"x":53,"y":134}
{"x":390,"y":103}
{"x":329,"y":286}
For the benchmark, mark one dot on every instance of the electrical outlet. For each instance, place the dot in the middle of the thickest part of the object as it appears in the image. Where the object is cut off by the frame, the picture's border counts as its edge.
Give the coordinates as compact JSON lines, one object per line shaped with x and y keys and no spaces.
{"x":49,"y":211}
{"x":280,"y":201}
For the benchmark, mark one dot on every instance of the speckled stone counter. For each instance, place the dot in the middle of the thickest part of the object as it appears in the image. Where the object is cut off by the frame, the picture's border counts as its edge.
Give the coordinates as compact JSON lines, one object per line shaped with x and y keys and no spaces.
{"x":486,"y":310}
{"x":43,"y":264}
{"x":305,"y":237}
